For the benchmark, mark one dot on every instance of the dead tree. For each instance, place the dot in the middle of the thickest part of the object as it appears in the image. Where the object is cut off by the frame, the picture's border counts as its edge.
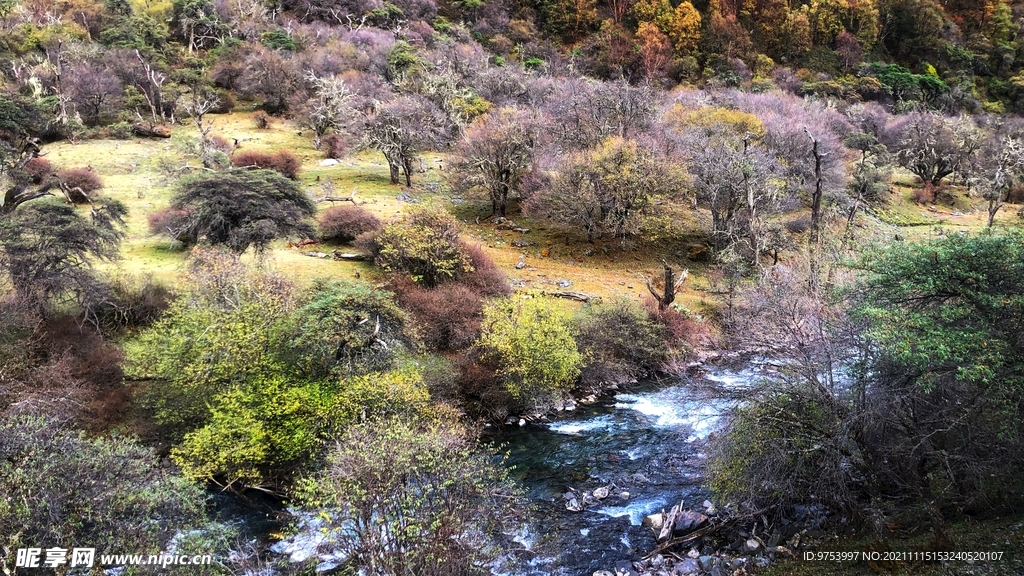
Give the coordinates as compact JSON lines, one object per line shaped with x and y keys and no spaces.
{"x":671,"y":286}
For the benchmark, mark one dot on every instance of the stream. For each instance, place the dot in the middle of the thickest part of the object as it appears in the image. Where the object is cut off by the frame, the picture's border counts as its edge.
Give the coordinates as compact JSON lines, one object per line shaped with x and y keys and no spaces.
{"x":645,"y":444}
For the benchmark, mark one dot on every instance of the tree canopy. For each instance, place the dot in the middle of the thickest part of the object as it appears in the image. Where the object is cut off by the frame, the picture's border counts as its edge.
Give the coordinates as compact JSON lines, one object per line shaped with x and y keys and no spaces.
{"x":242,"y":208}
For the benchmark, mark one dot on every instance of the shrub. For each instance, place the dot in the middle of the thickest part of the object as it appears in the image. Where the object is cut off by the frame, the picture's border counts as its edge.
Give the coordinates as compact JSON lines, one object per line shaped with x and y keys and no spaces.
{"x":222,"y":331}
{"x":261,"y":120}
{"x":481,"y":389}
{"x":220,"y":144}
{"x":486,"y":279}
{"x":336,"y":145}
{"x":267,"y":427}
{"x":171,"y":222}
{"x":425,"y":245}
{"x":283,"y":162}
{"x":532,"y":342}
{"x":243,"y":208}
{"x":414,"y":498}
{"x":120,"y":131}
{"x":448,"y":317}
{"x":226,"y":102}
{"x":682,"y":329}
{"x":345,"y":223}
{"x":345,"y":328}
{"x":924,"y":194}
{"x":38,"y":169}
{"x":620,"y":342}
{"x":134,"y":303}
{"x":255,"y":431}
{"x":84,"y":178}
{"x":60,"y":486}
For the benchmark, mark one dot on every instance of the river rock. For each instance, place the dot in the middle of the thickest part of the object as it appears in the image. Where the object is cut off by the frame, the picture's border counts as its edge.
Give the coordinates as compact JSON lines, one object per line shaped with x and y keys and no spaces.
{"x":574,"y":506}
{"x":603,"y":573}
{"x":706,"y":563}
{"x":624,"y":568}
{"x":687,"y":567}
{"x":522,"y":422}
{"x":688,"y":521}
{"x":751,"y":546}
{"x":624,"y":495}
{"x":654,"y":522}
{"x":601,"y":493}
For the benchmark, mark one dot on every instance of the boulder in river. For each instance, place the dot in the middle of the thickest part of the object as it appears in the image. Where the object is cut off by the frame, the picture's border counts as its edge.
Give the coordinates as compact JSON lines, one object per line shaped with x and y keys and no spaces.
{"x":601,"y":493}
{"x":654,"y":522}
{"x":688,"y":521}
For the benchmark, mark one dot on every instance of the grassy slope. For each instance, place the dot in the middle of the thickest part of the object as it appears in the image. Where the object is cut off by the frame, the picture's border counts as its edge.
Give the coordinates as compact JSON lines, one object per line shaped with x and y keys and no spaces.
{"x":131,"y":172}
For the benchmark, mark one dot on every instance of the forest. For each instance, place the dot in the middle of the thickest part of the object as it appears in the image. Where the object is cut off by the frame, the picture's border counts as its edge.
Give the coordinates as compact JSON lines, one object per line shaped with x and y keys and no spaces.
{"x":304,"y":285}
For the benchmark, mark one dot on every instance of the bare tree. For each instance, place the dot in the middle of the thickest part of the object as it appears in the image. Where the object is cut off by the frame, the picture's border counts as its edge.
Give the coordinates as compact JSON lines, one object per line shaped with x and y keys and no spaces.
{"x":401,"y":129}
{"x":928,"y":148}
{"x":495,"y":154}
{"x":1005,"y":170}
{"x":739,"y":181}
{"x":672,"y":284}
{"x":197,"y":104}
{"x":94,"y":90}
{"x":329,"y":108}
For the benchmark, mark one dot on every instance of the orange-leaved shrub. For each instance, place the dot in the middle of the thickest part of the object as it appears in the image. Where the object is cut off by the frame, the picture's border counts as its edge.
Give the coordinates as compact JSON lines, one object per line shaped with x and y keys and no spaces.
{"x":284,"y":162}
{"x":346,"y":223}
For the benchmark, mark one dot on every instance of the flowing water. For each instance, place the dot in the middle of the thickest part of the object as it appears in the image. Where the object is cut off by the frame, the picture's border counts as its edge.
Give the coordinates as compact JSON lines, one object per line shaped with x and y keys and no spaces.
{"x":645,"y":445}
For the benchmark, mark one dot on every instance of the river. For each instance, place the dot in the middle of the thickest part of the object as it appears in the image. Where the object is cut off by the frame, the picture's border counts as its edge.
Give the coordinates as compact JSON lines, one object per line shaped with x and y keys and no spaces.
{"x":646,"y":444}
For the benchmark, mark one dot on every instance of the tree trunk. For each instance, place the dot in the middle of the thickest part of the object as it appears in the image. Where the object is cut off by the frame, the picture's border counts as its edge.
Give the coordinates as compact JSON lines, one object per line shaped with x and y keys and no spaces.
{"x":668,"y":295}
{"x":394,"y":169}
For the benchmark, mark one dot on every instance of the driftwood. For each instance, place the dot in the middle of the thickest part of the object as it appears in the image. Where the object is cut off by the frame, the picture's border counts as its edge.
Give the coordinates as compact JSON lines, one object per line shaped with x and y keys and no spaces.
{"x":705,"y":531}
{"x":150,"y":131}
{"x":577,"y":296}
{"x":350,"y":256}
{"x":338,"y":255}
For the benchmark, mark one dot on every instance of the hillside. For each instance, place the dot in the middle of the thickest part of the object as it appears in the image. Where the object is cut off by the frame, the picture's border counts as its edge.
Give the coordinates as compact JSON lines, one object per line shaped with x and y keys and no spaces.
{"x":275,"y":275}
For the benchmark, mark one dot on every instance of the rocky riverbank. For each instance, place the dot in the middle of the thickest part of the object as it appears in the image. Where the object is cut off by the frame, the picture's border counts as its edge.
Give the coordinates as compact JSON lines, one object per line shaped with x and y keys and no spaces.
{"x":721,"y":542}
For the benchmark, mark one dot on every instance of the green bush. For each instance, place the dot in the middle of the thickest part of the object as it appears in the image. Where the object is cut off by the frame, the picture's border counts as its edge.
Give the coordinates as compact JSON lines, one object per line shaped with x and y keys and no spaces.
{"x":223,"y":330}
{"x":345,"y":328}
{"x":532,"y":342}
{"x":414,"y":499}
{"x":425,"y":245}
{"x":261,"y":431}
{"x":619,"y":342}
{"x":278,"y":40}
{"x":61,"y":488}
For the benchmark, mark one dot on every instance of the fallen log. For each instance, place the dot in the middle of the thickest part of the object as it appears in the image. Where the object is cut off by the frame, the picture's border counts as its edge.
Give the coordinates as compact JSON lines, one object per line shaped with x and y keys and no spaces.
{"x":151,"y":131}
{"x":350,"y":256}
{"x":577,"y":296}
